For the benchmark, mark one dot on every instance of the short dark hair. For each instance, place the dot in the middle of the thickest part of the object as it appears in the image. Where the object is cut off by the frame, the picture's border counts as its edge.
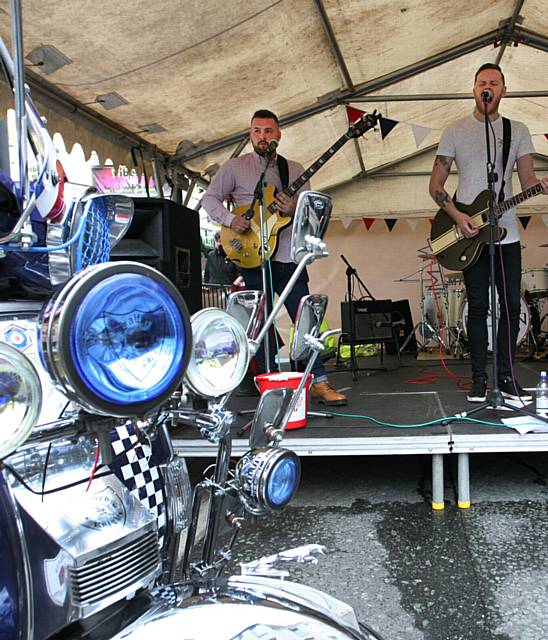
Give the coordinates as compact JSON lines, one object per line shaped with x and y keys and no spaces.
{"x":217,"y":235}
{"x":265,"y":113}
{"x":490,"y":65}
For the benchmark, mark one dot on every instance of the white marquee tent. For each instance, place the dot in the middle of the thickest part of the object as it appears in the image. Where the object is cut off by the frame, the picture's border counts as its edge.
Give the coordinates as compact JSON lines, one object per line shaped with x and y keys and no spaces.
{"x":181,"y":78}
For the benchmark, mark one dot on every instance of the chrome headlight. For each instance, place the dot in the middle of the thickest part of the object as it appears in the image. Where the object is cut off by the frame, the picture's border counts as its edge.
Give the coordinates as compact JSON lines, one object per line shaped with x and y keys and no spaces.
{"x":220,"y":353}
{"x":20,"y":399}
{"x":268,"y":478}
{"x":116,"y":338}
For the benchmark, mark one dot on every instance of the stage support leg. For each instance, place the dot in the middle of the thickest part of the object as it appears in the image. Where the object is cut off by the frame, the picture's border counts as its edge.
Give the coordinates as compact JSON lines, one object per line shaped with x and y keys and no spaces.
{"x":463,"y":498}
{"x":437,"y":482}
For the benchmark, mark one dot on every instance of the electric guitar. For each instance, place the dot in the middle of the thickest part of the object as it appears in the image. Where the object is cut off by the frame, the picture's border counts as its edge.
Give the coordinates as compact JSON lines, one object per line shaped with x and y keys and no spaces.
{"x":245,"y":248}
{"x":452,"y":249}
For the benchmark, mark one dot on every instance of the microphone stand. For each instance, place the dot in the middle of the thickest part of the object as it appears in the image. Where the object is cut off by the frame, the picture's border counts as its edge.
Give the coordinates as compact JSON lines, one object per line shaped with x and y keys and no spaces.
{"x":259,"y":197}
{"x":494,"y":398}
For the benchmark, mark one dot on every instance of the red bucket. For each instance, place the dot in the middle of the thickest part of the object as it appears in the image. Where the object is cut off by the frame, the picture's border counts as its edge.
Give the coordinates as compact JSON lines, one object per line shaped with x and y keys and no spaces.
{"x":265,"y":381}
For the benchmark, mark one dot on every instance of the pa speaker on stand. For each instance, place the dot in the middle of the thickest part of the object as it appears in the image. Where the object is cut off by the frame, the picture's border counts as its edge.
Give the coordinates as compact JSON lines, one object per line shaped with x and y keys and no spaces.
{"x":166,"y":236}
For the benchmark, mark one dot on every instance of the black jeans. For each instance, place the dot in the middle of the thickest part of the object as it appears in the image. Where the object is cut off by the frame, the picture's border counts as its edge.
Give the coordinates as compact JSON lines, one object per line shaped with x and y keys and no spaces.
{"x":476,"y":279}
{"x":281,"y":273}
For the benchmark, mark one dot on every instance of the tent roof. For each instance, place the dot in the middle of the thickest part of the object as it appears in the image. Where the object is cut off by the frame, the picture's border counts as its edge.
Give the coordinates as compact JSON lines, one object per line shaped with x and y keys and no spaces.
{"x":200,"y":68}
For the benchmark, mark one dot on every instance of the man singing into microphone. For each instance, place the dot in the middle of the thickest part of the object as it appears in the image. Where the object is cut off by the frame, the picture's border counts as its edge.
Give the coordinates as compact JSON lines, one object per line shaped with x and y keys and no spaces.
{"x":237,"y":180}
{"x":464,"y":142}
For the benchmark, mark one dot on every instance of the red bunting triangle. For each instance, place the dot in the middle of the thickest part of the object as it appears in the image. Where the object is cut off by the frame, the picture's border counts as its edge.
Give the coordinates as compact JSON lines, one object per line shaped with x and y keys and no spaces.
{"x":390,"y":222}
{"x":368,"y":222}
{"x":430,"y":220}
{"x":353,"y":114}
{"x":524,"y":221}
{"x":546,"y":136}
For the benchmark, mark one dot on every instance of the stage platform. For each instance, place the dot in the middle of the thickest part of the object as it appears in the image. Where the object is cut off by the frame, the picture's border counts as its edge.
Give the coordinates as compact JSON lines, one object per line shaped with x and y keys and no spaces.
{"x":390,"y":396}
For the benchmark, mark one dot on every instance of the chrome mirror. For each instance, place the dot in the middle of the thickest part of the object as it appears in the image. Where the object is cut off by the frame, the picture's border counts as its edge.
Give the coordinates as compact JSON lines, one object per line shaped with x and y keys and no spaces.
{"x":310,"y":315}
{"x":310,"y":222}
{"x":247,"y":307}
{"x":268,"y":417}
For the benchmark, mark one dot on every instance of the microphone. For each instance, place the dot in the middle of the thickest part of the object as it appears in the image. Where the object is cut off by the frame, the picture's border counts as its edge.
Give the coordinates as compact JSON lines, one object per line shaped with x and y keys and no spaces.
{"x":487,"y":95}
{"x":272,"y":145}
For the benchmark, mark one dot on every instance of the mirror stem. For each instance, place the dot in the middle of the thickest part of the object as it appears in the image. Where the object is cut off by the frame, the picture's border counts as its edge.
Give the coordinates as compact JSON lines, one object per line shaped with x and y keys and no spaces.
{"x":306,"y":259}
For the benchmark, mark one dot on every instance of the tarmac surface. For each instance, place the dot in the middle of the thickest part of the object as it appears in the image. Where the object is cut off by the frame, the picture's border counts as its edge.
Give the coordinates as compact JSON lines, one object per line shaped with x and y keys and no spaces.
{"x":410,"y":572}
{"x":416,"y":574}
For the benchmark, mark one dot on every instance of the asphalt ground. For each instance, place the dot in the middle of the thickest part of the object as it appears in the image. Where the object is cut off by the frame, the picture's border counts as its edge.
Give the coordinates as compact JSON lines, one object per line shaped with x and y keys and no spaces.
{"x":410,"y":572}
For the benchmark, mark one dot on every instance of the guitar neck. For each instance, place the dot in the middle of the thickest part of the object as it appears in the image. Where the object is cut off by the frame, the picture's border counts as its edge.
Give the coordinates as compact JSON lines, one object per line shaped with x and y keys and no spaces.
{"x":519,"y":198}
{"x":292,"y":189}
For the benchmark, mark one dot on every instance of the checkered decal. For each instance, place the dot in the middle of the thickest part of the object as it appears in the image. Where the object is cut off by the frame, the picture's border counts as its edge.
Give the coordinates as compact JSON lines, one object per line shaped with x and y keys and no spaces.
{"x":131,"y":466}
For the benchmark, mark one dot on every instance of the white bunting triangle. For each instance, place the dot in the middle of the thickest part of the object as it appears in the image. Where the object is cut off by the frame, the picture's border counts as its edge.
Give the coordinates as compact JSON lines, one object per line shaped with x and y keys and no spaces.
{"x":545,"y":220}
{"x":420,"y":133}
{"x":346,"y":221}
{"x":413,"y":222}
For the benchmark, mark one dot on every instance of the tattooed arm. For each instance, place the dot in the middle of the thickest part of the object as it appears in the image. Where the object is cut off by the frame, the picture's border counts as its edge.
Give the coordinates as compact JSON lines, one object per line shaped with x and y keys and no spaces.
{"x":440,"y":172}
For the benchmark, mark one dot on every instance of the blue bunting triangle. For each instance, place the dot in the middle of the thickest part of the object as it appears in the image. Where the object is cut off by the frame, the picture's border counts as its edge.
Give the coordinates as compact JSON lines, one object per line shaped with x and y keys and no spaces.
{"x":386,"y":126}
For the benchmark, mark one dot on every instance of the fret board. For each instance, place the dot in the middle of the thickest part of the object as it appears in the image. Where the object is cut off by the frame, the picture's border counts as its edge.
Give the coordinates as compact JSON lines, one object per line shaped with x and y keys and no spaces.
{"x":292,"y":189}
{"x":520,"y":197}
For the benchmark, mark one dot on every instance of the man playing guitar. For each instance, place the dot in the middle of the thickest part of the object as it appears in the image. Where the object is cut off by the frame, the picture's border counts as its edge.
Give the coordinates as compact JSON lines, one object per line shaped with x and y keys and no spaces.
{"x":464,"y":142}
{"x":237,"y":179}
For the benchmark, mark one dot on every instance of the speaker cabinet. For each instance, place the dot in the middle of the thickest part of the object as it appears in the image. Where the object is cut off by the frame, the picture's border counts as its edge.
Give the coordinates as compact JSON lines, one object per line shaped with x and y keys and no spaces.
{"x":166,"y":236}
{"x":371,"y":320}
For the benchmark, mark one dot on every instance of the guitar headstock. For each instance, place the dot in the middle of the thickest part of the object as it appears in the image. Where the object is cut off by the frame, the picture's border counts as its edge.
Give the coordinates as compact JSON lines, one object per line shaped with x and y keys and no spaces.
{"x":363,"y":123}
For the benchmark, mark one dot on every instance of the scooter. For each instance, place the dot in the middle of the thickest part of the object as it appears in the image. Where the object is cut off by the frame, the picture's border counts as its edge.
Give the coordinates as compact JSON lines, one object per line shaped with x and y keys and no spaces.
{"x":99,"y":524}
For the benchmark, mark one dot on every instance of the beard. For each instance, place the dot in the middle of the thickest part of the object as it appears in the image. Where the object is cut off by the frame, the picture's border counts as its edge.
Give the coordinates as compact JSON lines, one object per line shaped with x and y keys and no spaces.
{"x":260,"y":151}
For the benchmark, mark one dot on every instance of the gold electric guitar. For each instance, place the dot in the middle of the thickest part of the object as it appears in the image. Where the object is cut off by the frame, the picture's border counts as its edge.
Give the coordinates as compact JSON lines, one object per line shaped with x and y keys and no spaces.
{"x":244,"y":249}
{"x":452,"y":249}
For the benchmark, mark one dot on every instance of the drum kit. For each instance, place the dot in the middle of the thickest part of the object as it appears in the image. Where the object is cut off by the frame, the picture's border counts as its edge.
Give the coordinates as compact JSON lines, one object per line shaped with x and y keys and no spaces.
{"x":444,"y":309}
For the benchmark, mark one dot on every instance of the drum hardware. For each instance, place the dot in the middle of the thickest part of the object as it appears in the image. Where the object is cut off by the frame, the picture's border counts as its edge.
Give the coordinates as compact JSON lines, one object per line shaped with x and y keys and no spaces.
{"x":535,"y":282}
{"x":432,"y":325}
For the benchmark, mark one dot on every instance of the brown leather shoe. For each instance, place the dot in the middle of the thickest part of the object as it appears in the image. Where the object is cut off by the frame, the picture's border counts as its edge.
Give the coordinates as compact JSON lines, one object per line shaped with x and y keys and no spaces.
{"x":324,"y":393}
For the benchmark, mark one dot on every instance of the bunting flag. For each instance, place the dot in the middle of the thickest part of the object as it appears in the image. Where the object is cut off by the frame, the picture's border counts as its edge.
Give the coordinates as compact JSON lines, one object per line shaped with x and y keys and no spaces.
{"x":545,"y":220}
{"x":524,"y":221}
{"x":546,"y":136}
{"x":346,"y":221}
{"x":353,"y":114}
{"x":430,"y":220}
{"x":386,"y":126}
{"x":368,"y":222}
{"x":390,"y":222}
{"x":420,"y":133}
{"x":413,"y":222}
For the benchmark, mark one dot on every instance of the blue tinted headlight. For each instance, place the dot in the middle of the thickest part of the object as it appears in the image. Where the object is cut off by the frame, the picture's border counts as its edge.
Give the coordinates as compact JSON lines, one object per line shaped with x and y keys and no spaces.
{"x":117,"y":338}
{"x":267,"y":478}
{"x":282,"y":481}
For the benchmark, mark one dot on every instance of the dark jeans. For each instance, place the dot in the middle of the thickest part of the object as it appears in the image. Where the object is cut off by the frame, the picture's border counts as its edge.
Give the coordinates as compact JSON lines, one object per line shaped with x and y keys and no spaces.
{"x":476,"y":279}
{"x":281,"y":273}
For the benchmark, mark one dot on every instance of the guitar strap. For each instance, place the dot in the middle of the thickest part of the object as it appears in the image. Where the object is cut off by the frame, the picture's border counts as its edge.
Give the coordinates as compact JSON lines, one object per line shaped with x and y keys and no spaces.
{"x":506,"y":139}
{"x":283,"y":168}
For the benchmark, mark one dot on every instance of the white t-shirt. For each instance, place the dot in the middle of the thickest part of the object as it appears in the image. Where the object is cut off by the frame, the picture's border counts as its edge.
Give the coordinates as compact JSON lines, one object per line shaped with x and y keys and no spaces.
{"x":464,"y":140}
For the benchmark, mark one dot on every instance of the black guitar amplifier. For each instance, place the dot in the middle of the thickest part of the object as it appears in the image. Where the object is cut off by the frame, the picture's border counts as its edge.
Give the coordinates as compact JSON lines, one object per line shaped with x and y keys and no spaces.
{"x":372,"y":319}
